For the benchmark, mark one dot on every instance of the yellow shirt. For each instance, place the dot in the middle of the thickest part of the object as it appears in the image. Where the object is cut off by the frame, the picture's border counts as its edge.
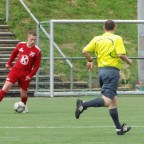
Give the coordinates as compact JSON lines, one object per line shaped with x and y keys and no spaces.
{"x":106,"y":48}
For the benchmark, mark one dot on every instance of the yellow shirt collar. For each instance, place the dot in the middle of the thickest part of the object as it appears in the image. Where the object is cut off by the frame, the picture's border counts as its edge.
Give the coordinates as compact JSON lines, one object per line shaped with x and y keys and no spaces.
{"x":107,"y":33}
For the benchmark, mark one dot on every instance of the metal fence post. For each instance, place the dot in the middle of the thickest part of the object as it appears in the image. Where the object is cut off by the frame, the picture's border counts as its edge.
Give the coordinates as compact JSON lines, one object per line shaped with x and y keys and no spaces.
{"x":51,"y":59}
{"x":140,"y":40}
{"x":71,"y":86}
{"x":90,"y":80}
{"x":7,"y":10}
{"x":37,"y":74}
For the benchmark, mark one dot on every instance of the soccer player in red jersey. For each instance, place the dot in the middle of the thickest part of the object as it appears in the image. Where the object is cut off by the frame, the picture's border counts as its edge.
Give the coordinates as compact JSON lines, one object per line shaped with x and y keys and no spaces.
{"x":27,"y":64}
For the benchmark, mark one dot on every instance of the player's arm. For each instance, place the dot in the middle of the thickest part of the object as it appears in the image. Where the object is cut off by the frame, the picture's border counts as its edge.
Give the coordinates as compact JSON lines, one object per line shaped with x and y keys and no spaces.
{"x":89,"y":48}
{"x":89,"y":58}
{"x":87,"y":55}
{"x":125,"y":58}
{"x":37,"y":65}
{"x":121,"y":52}
{"x":12,"y":57}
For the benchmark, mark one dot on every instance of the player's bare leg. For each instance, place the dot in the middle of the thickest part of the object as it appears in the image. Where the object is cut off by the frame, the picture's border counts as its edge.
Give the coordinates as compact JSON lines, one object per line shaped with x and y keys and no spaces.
{"x":24,"y":99}
{"x":107,"y":101}
{"x":7,"y":86}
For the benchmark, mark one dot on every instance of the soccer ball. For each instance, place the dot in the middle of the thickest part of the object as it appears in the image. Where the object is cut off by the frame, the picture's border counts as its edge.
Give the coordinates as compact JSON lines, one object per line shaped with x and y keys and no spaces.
{"x":19,"y":107}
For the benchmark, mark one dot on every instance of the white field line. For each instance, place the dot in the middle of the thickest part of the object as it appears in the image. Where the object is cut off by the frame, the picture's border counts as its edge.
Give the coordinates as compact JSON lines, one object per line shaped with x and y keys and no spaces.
{"x":62,"y":127}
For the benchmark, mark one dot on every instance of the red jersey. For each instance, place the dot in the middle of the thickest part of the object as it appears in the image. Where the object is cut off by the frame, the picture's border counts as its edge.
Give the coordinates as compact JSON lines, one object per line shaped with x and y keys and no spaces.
{"x":28,"y":58}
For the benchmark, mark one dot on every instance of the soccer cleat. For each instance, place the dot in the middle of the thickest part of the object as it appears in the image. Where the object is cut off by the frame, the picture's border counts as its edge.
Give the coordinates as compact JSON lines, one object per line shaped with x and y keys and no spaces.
{"x":25,"y":110}
{"x":79,"y":108}
{"x":123,"y":130}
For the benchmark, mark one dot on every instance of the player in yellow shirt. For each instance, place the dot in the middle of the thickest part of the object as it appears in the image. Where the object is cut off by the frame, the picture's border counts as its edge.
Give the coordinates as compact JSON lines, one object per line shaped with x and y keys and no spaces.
{"x":110,"y":52}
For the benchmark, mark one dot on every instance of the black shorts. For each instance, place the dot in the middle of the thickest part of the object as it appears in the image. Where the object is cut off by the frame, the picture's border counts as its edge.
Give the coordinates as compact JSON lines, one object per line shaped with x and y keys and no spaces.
{"x":108,"y":79}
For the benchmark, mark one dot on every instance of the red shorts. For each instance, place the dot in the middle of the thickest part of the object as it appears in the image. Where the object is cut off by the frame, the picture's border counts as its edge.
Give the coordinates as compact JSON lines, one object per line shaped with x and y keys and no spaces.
{"x":18,"y":75}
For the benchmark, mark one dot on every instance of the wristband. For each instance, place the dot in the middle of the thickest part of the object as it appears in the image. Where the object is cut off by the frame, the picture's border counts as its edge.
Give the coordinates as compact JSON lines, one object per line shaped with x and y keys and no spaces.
{"x":91,"y":60}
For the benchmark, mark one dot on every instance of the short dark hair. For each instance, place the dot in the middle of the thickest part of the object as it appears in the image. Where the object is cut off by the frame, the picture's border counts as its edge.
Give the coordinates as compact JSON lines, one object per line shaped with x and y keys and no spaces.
{"x":33,"y":33}
{"x":109,"y":24}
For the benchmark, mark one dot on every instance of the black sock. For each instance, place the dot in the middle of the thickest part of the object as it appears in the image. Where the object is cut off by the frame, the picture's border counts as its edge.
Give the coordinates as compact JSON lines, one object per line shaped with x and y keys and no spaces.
{"x":97,"y":102}
{"x":114,"y":115}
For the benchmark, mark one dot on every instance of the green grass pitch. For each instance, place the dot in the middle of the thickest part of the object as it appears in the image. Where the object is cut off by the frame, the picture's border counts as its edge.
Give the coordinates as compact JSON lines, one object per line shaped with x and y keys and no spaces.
{"x":52,"y":121}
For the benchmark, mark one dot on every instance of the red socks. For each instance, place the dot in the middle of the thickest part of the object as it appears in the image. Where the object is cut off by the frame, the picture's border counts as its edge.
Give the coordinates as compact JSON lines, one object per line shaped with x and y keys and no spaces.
{"x":24,"y":99}
{"x":2,"y":94}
